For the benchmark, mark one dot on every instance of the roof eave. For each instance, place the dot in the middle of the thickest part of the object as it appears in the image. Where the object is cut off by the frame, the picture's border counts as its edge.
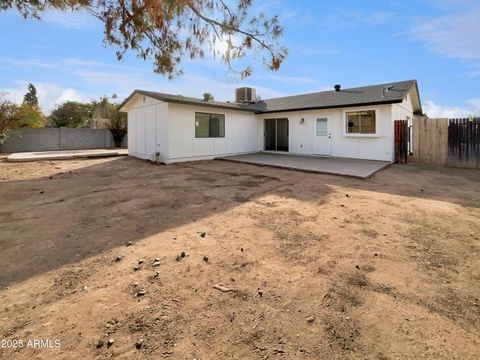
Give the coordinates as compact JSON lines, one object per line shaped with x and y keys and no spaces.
{"x":123,"y":106}
{"x":420,"y":109}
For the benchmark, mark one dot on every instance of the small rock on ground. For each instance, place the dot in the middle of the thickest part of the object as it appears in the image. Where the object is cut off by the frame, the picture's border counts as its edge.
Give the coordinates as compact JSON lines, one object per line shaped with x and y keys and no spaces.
{"x":221,"y":288}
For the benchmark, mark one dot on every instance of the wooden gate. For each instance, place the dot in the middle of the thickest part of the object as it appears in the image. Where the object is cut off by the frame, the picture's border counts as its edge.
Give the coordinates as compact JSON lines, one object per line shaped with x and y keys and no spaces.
{"x":464,"y":142}
{"x":430,"y":140}
{"x":401,"y":141}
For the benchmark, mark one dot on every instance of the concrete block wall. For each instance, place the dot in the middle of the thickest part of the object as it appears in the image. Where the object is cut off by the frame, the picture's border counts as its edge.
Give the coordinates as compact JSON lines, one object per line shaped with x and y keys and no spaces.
{"x":74,"y":139}
{"x":49,"y":139}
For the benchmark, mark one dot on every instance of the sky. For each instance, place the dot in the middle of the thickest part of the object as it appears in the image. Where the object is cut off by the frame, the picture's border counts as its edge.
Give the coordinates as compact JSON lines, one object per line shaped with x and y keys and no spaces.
{"x":347,"y":42}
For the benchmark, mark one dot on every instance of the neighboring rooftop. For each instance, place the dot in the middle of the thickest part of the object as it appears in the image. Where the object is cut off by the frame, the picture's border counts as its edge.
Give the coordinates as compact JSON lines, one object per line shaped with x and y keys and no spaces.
{"x":388,"y":93}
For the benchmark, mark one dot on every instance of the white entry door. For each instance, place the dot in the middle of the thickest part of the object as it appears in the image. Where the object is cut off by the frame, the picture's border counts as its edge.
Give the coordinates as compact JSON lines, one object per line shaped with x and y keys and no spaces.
{"x":322,"y":138}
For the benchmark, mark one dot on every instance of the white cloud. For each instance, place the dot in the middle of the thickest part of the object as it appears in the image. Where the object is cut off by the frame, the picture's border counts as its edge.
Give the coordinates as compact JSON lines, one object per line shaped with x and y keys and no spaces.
{"x":69,"y":19}
{"x":434,"y":110}
{"x":195,"y":85}
{"x":188,"y":85}
{"x":104,"y":78}
{"x":284,"y":11}
{"x":352,"y":18}
{"x":475,"y":72}
{"x":49,"y":94}
{"x":117,"y":65}
{"x":452,"y":35}
{"x":81,"y":62}
{"x":475,"y":105}
{"x":28,"y":62}
{"x":68,"y":95}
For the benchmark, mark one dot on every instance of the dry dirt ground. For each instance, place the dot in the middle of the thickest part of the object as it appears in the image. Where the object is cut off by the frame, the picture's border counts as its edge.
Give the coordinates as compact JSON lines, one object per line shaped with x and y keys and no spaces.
{"x":318,"y":266}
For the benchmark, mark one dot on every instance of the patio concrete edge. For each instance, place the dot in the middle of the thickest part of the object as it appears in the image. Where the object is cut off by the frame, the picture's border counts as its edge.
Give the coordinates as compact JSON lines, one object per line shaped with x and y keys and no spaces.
{"x":294,"y":168}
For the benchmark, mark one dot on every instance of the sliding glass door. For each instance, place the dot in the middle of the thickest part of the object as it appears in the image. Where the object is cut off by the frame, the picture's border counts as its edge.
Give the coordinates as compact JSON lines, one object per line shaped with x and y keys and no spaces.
{"x":276,"y":134}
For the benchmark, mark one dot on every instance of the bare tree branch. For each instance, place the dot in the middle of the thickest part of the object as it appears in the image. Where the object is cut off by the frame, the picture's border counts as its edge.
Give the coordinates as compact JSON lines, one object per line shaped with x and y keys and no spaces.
{"x":167,"y":30}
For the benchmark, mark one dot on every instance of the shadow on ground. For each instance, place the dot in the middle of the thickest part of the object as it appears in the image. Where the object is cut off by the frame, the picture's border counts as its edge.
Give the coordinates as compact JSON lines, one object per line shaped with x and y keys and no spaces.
{"x":95,"y":207}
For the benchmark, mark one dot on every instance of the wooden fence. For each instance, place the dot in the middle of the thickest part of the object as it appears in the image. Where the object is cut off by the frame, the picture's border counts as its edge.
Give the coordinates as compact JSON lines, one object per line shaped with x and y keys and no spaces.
{"x":401,"y":141}
{"x":430,"y":140}
{"x":446,"y":142}
{"x":464,"y":143}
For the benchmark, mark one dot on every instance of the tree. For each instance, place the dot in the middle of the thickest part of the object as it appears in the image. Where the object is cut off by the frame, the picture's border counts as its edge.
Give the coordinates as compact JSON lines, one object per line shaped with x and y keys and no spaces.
{"x":30,"y":116}
{"x":117,"y":123}
{"x":166,"y":30}
{"x":115,"y":120}
{"x":8,"y":118}
{"x":31,"y":96}
{"x":72,"y":114}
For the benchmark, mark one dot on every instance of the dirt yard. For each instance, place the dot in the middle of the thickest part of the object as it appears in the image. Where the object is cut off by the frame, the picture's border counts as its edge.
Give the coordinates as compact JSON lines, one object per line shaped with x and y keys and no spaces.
{"x":317,"y":266}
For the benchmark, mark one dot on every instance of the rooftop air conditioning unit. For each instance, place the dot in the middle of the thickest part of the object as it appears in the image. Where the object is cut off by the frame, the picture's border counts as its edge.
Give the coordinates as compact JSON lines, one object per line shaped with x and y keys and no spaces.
{"x":245,"y":95}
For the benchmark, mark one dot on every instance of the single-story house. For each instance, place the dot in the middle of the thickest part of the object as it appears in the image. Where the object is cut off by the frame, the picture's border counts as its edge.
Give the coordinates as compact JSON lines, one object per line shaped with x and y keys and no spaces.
{"x":351,"y":123}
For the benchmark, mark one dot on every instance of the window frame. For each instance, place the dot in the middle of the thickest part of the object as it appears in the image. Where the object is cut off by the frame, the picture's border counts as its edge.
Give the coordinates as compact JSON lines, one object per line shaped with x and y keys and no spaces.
{"x":345,"y":124}
{"x":209,"y":120}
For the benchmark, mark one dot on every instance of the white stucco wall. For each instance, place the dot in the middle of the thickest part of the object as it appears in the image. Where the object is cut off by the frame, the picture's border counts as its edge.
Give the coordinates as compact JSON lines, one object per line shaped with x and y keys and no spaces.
{"x":242,"y":134}
{"x":148,"y":129}
{"x":169,"y":128}
{"x":403,"y":111}
{"x":373,"y":147}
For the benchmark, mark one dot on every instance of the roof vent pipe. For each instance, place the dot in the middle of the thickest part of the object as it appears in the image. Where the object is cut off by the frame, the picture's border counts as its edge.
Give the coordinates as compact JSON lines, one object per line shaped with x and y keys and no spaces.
{"x":338,"y":87}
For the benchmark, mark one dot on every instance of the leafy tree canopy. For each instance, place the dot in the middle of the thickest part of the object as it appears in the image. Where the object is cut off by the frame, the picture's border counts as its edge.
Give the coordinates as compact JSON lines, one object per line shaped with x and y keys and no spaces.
{"x":30,"y":116}
{"x":8,"y":118}
{"x":115,"y":120}
{"x":72,"y":114}
{"x":166,"y":30}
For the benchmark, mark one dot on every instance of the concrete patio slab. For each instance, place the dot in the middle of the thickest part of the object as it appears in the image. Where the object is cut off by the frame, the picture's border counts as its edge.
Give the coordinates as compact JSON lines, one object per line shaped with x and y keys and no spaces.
{"x":338,"y":166}
{"x":65,"y":154}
